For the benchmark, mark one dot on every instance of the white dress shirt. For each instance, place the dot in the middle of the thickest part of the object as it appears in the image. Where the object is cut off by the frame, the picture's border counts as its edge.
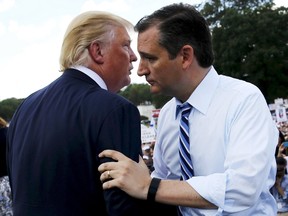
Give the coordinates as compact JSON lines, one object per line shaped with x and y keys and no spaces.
{"x":232,"y":145}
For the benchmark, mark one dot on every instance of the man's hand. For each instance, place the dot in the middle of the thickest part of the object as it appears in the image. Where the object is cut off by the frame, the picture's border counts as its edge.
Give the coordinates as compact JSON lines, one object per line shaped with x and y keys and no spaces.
{"x":131,"y":177}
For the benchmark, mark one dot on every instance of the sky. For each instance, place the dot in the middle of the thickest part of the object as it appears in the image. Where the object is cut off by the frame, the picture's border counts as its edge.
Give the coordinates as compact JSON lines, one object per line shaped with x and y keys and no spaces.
{"x":31,"y":33}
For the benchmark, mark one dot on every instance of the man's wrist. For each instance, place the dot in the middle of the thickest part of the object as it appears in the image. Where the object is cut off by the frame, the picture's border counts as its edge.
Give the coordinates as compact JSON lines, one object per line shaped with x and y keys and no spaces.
{"x":153,"y":189}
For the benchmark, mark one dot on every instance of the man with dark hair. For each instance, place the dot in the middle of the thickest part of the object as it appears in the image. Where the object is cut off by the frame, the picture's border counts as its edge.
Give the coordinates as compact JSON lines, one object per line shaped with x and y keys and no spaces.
{"x":230,"y":137}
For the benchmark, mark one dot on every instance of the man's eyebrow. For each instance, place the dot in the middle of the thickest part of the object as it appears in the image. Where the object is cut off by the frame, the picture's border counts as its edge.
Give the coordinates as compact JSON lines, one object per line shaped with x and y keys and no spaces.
{"x":146,"y":55}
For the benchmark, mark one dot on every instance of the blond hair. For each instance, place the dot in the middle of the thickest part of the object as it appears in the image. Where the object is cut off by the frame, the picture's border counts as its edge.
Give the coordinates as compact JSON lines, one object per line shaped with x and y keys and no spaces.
{"x":83,"y":30}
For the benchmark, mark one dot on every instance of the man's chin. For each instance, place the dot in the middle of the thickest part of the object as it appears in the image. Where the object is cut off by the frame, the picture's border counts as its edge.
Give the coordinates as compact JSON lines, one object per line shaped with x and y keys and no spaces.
{"x":128,"y":81}
{"x":154,"y":90}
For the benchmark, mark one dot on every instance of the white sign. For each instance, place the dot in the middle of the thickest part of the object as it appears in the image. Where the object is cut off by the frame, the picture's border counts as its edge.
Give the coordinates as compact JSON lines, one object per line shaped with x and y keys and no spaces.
{"x":281,"y":114}
{"x":147,"y":134}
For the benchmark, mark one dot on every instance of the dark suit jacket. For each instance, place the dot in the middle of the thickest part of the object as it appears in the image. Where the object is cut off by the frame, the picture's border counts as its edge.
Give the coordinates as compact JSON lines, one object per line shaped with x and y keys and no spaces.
{"x":54,"y":140}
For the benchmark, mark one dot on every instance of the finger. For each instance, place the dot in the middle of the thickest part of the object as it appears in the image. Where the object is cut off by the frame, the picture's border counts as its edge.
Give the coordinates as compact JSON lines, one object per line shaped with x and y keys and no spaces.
{"x":109,"y":184}
{"x":116,"y":155}
{"x":108,"y":174}
{"x":106,"y":166}
{"x":105,"y":176}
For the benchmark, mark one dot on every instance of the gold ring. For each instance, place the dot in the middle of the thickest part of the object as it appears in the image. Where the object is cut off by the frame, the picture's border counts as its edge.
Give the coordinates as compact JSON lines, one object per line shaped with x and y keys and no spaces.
{"x":109,"y":174}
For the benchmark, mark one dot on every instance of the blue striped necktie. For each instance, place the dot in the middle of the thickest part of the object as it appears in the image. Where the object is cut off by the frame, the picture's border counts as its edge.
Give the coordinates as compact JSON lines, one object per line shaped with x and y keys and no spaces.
{"x":184,"y":144}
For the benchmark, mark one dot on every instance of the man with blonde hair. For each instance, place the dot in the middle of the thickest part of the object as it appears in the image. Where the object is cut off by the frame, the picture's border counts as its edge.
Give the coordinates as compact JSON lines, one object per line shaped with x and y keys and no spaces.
{"x":57,"y":133}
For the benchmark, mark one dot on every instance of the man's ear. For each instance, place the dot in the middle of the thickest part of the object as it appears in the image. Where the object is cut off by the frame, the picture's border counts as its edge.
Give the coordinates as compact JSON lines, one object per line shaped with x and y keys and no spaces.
{"x":96,"y":53}
{"x":187,"y":53}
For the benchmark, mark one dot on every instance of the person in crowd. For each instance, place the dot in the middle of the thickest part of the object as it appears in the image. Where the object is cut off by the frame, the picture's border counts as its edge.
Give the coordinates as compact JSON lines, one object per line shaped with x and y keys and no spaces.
{"x":280,"y":148}
{"x":56,"y":134}
{"x":230,"y":165}
{"x":3,"y":134}
{"x":280,"y":188}
{"x":5,"y":190}
{"x":148,"y":156}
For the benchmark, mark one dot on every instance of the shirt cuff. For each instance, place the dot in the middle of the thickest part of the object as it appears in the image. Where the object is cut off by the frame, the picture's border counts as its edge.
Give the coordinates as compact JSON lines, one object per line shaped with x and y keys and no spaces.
{"x":211,"y":188}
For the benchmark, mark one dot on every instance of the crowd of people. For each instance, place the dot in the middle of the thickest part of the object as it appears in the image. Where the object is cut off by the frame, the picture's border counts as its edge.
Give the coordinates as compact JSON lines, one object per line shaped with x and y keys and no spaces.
{"x":5,"y":190}
{"x":280,"y":187}
{"x":283,"y":127}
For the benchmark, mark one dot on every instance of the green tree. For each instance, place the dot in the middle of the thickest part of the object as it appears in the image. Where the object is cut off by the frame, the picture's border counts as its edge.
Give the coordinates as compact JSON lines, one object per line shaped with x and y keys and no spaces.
{"x":250,"y":41}
{"x":159,"y":100}
{"x":140,"y":94}
{"x":137,"y":93}
{"x":8,"y":107}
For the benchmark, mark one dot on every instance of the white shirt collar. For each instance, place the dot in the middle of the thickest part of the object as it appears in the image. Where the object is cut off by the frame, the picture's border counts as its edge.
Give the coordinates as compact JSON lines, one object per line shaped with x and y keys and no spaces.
{"x":207,"y":87}
{"x":93,"y":75}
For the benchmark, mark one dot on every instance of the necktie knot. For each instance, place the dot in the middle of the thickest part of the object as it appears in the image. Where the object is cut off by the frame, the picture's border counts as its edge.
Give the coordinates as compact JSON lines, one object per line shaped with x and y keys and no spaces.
{"x":184,"y":108}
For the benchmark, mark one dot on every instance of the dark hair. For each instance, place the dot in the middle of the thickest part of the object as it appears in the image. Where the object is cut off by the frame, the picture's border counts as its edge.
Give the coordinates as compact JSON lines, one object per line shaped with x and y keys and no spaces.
{"x":281,"y":161}
{"x":281,"y":166}
{"x":181,"y":24}
{"x":281,"y":136}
